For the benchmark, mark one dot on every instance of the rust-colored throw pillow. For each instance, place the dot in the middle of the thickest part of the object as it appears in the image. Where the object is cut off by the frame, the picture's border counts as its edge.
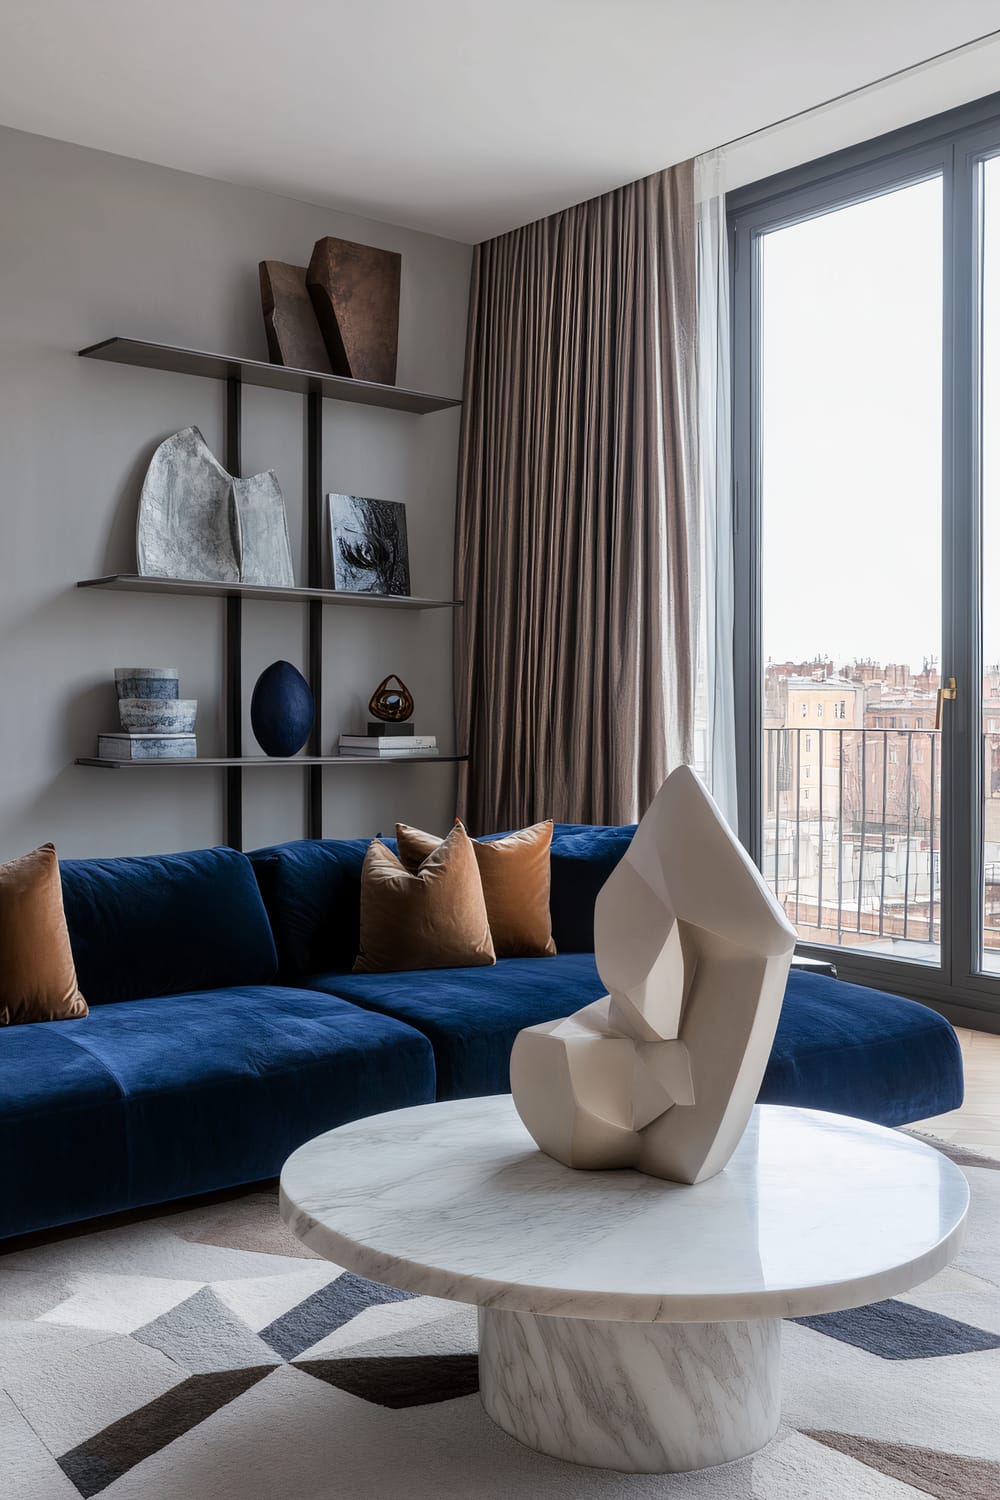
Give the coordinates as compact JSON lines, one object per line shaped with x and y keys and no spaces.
{"x":431,"y":917}
{"x":516,"y":877}
{"x":37,"y":973}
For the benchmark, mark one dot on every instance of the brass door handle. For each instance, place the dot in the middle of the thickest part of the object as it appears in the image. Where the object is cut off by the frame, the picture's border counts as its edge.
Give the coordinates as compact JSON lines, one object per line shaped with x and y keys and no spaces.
{"x":949,"y":691}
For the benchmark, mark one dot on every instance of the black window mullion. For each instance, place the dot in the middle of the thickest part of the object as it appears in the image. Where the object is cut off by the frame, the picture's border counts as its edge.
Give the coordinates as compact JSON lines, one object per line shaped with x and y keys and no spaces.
{"x":966,"y":771}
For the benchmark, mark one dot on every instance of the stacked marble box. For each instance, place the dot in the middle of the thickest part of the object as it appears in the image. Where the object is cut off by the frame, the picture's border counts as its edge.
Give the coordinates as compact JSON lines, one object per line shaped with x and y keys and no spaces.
{"x":157,"y":724}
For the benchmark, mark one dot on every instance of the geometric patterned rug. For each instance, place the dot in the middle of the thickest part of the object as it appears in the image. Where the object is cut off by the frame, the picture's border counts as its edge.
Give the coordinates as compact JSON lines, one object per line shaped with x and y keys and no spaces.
{"x":207,"y":1355}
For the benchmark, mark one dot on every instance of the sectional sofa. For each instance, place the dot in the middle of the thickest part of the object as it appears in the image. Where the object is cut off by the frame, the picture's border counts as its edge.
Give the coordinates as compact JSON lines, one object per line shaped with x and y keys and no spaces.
{"x":226,"y":1027}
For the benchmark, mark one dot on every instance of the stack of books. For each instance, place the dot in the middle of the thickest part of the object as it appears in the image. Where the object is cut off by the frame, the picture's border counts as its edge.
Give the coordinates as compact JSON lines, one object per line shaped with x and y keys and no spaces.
{"x":388,"y":746}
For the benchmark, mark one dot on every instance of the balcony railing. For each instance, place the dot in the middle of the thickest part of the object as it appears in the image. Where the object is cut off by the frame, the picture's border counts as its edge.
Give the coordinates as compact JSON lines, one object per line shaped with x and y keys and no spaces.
{"x":852,"y":835}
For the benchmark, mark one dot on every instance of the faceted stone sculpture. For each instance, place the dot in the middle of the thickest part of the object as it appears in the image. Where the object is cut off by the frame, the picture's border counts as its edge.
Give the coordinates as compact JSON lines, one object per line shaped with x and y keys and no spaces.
{"x":663,"y":1072}
{"x":355,"y":291}
{"x":293,"y":333}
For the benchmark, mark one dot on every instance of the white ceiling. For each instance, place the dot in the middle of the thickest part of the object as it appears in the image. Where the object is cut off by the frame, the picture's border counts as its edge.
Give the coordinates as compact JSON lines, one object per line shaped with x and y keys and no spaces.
{"x":461,"y":117}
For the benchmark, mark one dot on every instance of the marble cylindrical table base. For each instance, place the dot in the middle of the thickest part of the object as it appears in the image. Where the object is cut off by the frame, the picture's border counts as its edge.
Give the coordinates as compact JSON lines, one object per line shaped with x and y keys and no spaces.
{"x":649,"y":1398}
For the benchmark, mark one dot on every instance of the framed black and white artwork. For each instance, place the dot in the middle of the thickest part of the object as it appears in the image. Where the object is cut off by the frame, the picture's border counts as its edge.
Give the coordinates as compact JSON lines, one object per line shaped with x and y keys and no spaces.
{"x":368,"y":545}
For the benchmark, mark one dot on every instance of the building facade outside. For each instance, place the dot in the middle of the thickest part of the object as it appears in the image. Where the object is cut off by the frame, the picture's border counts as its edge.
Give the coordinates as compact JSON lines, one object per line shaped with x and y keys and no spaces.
{"x":852,"y":799}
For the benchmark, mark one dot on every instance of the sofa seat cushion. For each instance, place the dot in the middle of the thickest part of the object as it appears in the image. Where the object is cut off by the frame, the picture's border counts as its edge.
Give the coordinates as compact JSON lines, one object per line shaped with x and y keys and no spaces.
{"x":163,"y":924}
{"x":62,"y":1129}
{"x":471,"y":1016}
{"x":862,"y":1052}
{"x":838,"y":1047}
{"x":166,"y":1097}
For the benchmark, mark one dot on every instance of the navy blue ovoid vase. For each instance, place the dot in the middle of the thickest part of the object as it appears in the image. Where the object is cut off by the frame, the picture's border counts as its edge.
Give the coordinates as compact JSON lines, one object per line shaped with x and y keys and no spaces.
{"x":282,"y":709}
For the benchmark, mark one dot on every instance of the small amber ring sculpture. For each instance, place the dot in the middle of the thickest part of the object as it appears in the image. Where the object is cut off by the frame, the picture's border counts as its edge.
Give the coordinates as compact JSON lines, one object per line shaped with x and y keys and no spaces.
{"x":391,"y":704}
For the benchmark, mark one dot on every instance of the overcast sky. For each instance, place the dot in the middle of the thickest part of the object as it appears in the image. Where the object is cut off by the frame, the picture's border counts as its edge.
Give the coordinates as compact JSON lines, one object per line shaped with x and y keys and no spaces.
{"x":851,"y":432}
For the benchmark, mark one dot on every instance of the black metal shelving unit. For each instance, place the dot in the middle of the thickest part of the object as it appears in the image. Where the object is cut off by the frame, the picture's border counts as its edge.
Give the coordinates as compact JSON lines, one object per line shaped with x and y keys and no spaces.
{"x":316,"y":388}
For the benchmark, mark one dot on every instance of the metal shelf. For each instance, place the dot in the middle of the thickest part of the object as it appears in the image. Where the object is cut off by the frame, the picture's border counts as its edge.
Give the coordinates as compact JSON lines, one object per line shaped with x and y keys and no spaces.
{"x":135,"y":583}
{"x":258,"y":372}
{"x":266,"y":760}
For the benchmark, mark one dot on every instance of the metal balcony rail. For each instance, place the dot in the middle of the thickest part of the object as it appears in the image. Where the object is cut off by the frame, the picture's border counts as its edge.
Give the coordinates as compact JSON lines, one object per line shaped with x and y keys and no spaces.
{"x":852,"y":832}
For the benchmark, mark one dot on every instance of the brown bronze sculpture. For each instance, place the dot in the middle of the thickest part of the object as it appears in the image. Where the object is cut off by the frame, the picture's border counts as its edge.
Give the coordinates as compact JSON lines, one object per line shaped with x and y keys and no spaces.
{"x":293,"y":333}
{"x":355,"y":291}
{"x":391,"y":704}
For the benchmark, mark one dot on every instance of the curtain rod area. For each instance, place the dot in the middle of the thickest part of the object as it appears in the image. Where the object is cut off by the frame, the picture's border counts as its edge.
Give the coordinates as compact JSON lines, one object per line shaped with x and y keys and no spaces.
{"x":864,"y":88}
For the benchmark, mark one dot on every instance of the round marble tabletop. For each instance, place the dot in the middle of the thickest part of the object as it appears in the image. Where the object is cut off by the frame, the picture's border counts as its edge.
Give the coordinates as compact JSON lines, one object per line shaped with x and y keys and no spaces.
{"x":814,"y":1213}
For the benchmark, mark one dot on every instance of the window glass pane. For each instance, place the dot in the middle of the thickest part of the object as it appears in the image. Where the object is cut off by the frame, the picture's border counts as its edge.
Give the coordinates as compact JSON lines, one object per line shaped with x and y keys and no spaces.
{"x":850,"y":455}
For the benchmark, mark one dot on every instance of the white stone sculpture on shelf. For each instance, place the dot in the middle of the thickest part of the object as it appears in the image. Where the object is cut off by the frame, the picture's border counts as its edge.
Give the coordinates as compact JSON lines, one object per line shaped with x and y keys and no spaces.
{"x":197,"y":521}
{"x":663,"y":1072}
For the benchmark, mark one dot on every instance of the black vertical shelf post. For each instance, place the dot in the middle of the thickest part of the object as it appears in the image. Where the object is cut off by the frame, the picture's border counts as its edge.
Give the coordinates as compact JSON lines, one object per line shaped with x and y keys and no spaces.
{"x":314,"y":543}
{"x":234,"y":639}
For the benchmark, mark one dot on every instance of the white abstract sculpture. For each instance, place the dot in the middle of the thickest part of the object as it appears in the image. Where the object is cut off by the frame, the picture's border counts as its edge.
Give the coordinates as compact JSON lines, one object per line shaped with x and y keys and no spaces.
{"x":662,"y":1074}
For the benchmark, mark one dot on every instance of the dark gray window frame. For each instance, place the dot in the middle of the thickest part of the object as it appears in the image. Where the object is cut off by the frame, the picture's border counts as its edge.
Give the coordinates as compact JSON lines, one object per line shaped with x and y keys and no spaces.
{"x":950,"y":145}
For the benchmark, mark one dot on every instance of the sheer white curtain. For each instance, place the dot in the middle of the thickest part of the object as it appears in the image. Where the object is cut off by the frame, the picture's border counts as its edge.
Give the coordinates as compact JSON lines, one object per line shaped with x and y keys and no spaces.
{"x":715,"y":727}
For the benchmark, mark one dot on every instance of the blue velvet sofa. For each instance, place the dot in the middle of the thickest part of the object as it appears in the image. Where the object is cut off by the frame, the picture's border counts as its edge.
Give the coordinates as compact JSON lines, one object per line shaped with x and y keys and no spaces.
{"x":226,"y":1027}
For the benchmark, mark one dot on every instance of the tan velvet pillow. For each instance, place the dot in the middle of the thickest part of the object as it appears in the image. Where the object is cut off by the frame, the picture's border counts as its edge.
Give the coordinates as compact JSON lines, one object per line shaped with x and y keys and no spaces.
{"x":516,"y":876}
{"x":432,"y":917}
{"x":37,"y":973}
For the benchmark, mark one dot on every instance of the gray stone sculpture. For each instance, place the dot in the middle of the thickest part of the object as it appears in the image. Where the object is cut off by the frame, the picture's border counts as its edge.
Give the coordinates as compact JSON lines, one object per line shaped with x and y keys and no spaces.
{"x":187,"y":518}
{"x":197,"y":522}
{"x":265,"y":556}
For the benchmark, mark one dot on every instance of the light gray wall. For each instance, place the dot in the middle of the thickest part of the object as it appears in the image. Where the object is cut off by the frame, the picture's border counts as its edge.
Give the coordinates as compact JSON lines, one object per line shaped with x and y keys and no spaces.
{"x":942,"y":83}
{"x":93,"y":245}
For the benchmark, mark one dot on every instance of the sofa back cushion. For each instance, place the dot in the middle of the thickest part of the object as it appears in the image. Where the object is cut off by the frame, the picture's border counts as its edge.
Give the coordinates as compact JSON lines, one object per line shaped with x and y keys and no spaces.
{"x":312,"y":891}
{"x":162,"y":924}
{"x":582,"y":859}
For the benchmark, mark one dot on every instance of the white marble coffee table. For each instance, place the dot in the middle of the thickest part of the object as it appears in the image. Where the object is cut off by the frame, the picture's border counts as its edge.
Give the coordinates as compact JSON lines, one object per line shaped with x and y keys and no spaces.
{"x":624,"y":1321}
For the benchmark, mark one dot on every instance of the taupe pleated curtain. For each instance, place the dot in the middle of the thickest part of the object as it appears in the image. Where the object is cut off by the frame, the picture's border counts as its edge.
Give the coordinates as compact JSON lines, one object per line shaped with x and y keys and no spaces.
{"x":577,"y":523}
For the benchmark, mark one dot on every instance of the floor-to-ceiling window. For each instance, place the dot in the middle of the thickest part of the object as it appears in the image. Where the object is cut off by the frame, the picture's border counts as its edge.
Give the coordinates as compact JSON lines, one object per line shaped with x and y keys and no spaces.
{"x":867,"y":389}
